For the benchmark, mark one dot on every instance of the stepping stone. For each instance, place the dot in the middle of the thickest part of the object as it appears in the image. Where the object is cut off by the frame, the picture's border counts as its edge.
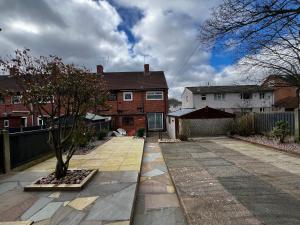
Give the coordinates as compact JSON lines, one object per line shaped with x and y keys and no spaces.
{"x":4,"y":187}
{"x":114,"y":207}
{"x":119,"y":223}
{"x":82,"y":203}
{"x":38,"y":205}
{"x":153,"y":173}
{"x":73,"y":218}
{"x":47,"y":212}
{"x":16,"y":223}
{"x":54,"y":195}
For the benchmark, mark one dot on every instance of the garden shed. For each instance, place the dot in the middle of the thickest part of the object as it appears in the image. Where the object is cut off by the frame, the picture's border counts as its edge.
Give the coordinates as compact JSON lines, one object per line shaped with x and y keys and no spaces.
{"x":198,"y":122}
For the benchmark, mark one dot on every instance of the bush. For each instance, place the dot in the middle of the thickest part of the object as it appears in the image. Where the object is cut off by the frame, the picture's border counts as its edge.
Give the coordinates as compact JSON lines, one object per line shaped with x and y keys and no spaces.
{"x":140,"y":132}
{"x":242,"y":126}
{"x":101,"y":134}
{"x":280,"y":131}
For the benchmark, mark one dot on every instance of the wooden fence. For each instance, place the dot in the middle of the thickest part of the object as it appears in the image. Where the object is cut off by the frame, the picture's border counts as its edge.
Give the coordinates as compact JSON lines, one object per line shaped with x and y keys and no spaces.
{"x":264,"y":122}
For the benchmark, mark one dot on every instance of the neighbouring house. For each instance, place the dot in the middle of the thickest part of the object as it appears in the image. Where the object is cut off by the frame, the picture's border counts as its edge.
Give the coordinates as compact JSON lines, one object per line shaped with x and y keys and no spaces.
{"x":136,"y":99}
{"x":13,"y":113}
{"x":198,"y":122}
{"x":232,"y":99}
{"x":286,"y":97}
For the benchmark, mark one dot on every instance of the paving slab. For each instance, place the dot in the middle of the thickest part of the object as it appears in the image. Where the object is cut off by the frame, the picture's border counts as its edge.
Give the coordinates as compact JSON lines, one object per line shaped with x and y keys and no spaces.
{"x":47,"y":212}
{"x":233,"y":182}
{"x":82,"y":203}
{"x":38,"y":205}
{"x":114,"y":207}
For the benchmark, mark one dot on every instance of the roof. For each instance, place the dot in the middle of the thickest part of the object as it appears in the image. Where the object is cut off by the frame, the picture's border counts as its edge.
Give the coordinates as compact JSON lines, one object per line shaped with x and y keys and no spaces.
{"x":204,"y":113}
{"x":7,"y":83}
{"x":115,"y":80}
{"x":290,"y":102}
{"x":229,"y":89}
{"x":135,"y":80}
{"x":94,"y":117}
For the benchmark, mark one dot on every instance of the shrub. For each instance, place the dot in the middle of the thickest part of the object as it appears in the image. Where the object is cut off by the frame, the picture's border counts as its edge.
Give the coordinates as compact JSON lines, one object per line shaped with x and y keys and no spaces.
{"x":140,"y":132}
{"x":101,"y":134}
{"x":280,"y":131}
{"x":242,"y":126}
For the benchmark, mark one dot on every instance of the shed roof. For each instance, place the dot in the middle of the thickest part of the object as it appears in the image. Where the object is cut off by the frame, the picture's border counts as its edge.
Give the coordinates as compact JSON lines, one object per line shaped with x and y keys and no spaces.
{"x":94,"y":117}
{"x":204,"y":113}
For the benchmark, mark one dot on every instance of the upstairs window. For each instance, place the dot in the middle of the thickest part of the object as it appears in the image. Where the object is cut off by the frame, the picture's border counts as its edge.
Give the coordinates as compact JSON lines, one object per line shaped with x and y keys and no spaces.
{"x":246,"y":96}
{"x":112,"y":97}
{"x":16,"y":99}
{"x":127,"y":96}
{"x":219,"y":96}
{"x":154,"y":95}
{"x":261,"y":95}
{"x":2,"y":100}
{"x":203,"y":97}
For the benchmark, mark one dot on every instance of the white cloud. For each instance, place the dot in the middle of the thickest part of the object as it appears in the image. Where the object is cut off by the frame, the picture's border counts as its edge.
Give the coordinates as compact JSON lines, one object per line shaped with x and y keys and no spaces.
{"x":85,"y":32}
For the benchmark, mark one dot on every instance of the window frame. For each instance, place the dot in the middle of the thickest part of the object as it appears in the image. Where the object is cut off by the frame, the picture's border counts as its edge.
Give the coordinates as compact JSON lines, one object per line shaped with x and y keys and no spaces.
{"x":149,"y":99}
{"x":203,"y":97}
{"x":115,"y":97}
{"x":124,"y":94}
{"x":26,"y":120}
{"x":17,"y":96}
{"x":262,"y":94}
{"x":39,"y":118}
{"x":6,"y":123}
{"x":2,"y":99}
{"x":217,"y":95}
{"x":246,"y":93}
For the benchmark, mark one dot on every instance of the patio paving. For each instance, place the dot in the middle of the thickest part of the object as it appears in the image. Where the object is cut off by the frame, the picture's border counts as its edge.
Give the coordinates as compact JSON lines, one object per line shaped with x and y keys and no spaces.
{"x":225,"y":181}
{"x":157,"y":202}
{"x":107,"y":199}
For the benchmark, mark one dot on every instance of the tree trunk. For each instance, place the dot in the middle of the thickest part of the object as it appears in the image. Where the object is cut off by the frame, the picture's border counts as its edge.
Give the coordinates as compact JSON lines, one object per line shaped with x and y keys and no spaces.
{"x":60,"y":170}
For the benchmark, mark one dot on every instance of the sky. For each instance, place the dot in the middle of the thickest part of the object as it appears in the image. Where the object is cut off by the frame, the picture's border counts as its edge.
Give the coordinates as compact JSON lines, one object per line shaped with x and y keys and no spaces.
{"x":121,"y":35}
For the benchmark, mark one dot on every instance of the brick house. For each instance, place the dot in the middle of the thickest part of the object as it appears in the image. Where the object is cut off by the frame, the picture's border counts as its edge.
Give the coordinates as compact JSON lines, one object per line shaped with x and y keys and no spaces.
{"x":136,"y":99}
{"x":286,"y":97}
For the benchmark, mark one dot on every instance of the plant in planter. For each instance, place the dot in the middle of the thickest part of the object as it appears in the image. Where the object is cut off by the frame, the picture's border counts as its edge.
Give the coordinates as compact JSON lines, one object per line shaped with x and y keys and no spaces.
{"x":280,"y":131}
{"x":61,"y":94}
{"x":140,"y":132}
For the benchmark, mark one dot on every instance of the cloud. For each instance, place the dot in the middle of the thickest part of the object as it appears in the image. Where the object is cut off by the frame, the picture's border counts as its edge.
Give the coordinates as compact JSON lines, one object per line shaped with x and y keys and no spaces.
{"x":88,"y":32}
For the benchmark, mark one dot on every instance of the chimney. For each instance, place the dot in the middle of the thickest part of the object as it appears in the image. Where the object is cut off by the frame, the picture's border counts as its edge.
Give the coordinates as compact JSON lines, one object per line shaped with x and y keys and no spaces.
{"x":146,"y":69}
{"x":99,"y":69}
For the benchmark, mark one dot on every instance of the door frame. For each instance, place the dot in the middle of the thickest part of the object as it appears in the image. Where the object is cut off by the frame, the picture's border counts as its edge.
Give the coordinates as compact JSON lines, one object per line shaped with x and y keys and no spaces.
{"x":162,"y":121}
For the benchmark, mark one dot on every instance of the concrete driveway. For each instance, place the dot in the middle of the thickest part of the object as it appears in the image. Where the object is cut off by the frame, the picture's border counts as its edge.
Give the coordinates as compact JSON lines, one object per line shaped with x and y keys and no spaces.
{"x":226,"y":181}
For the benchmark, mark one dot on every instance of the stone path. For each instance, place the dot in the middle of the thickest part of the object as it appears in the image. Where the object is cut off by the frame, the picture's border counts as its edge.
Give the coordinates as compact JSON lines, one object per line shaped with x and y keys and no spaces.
{"x":107,"y":199}
{"x":225,"y":181}
{"x":157,"y":202}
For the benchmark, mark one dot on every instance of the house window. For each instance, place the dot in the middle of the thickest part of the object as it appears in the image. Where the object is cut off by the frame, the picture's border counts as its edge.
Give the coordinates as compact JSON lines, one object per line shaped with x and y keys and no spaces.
{"x":154,"y":95}
{"x":40,"y":121}
{"x":24,"y":121}
{"x":246,"y":95}
{"x":127,"y":96}
{"x":6,"y":123}
{"x":16,"y":99}
{"x":246,"y":109}
{"x":112,"y":97}
{"x":261,"y":109}
{"x":203,"y":97}
{"x":2,"y":100}
{"x":127,"y":121}
{"x":219,"y":96}
{"x":261,"y":95}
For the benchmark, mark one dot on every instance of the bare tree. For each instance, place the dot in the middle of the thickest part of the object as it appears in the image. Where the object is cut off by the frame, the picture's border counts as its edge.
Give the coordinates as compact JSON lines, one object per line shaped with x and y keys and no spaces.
{"x":61,"y":94}
{"x":265,"y":31}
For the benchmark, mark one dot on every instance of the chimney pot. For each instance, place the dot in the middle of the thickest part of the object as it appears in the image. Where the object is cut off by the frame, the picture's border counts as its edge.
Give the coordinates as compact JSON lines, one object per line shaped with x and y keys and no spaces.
{"x":99,"y":69}
{"x":146,"y":69}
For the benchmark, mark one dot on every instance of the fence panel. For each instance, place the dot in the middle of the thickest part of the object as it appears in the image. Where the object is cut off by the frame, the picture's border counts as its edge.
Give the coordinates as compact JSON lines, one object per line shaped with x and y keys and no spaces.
{"x":2,"y":166}
{"x":264,"y":122}
{"x":28,"y":146}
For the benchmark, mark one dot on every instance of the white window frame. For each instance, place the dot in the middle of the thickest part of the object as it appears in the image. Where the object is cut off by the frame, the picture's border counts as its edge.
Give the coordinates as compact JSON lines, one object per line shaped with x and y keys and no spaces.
{"x":26,"y":120}
{"x":155,"y":93}
{"x":262,"y":95}
{"x":262,"y":109}
{"x":203,"y":96}
{"x":6,"y":123}
{"x":219,"y":96}
{"x":127,"y":92}
{"x":38,"y":121}
{"x":19,"y":97}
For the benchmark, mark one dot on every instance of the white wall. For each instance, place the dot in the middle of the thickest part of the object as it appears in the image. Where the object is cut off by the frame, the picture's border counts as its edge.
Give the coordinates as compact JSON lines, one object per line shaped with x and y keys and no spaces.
{"x":187,"y":99}
{"x":233,"y":102}
{"x":170,"y":124}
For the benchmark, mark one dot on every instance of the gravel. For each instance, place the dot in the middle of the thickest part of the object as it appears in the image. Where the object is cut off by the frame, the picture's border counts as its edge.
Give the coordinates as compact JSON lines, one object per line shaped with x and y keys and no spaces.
{"x":72,"y":177}
{"x":260,"y":139}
